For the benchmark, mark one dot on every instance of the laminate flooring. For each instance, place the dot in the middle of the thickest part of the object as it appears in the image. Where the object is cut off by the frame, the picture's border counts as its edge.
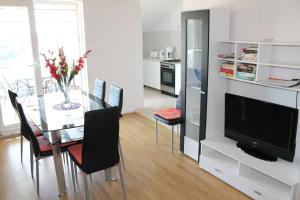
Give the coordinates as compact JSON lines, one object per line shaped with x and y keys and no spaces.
{"x":152,"y":173}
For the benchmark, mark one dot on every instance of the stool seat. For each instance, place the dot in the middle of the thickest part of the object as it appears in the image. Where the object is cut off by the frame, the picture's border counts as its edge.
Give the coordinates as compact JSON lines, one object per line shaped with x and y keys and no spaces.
{"x":167,"y":121}
{"x":169,"y":113}
{"x":169,"y":116}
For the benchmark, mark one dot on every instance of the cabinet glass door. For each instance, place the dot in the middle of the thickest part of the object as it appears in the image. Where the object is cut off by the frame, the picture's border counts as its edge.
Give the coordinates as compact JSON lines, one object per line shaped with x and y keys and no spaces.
{"x":195,"y":63}
{"x":193,"y":78}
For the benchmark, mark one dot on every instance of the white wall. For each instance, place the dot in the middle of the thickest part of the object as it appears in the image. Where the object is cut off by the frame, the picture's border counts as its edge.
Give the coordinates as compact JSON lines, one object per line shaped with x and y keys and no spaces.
{"x":114,"y":32}
{"x":169,"y":22}
{"x":257,"y":19}
{"x":254,"y":20}
{"x":165,"y":32}
{"x":156,"y":11}
{"x":156,"y":40}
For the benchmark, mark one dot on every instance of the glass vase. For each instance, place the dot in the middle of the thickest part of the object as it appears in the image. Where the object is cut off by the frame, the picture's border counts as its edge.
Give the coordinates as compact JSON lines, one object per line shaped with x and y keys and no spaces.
{"x":65,"y":89}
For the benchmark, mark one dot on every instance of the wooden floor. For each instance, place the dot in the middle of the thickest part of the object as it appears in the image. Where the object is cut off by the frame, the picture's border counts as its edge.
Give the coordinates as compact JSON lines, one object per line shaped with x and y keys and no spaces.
{"x":152,"y":173}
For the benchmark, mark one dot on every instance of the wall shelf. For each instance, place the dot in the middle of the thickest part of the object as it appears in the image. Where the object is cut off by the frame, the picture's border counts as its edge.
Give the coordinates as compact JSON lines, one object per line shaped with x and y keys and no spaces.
{"x":284,"y":65}
{"x":279,"y":65}
{"x":295,"y":44}
{"x":226,"y":59}
{"x":245,"y":61}
{"x":295,"y":88}
{"x":274,"y":60}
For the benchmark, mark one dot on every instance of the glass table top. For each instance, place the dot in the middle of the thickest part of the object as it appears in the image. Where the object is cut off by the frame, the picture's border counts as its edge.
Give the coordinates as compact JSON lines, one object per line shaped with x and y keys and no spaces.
{"x":62,"y":125}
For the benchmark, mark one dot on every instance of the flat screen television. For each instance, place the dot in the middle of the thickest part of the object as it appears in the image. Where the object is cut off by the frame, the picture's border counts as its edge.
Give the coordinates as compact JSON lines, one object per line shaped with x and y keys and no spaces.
{"x":262,"y":129}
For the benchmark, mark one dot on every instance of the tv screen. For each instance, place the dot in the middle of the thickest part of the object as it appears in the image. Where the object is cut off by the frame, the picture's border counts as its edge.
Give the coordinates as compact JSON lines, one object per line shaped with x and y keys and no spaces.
{"x":262,"y":126}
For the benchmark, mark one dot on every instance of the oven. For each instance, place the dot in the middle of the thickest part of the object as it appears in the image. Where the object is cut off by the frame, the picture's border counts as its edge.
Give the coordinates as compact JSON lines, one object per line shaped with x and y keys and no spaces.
{"x":167,"y":74}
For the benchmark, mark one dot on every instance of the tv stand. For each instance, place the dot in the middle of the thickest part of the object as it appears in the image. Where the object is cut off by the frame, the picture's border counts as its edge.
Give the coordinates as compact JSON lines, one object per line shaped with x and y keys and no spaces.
{"x":256,"y":178}
{"x":256,"y":153}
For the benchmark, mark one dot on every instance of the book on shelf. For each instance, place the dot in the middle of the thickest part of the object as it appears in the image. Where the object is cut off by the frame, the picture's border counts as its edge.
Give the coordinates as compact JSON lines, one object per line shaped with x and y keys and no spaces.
{"x":226,"y":56}
{"x":247,"y":68}
{"x":245,"y":76}
{"x":246,"y":72}
{"x":227,"y":69}
{"x":227,"y":65}
{"x":249,"y":57}
{"x":249,"y":53}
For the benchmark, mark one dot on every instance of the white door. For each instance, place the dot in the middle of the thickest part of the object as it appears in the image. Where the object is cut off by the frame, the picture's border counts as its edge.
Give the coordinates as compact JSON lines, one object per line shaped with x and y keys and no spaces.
{"x":19,"y":59}
{"x":27,"y":29}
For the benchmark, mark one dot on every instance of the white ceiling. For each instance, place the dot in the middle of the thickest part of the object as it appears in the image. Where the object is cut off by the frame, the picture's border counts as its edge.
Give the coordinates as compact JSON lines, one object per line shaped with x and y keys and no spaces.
{"x":155,"y":10}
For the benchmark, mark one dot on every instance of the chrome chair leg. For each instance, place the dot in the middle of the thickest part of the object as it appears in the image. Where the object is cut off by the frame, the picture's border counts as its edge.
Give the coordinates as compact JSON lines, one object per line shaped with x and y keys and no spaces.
{"x":67,"y":159}
{"x":21,"y":148}
{"x":76,"y":175}
{"x":172,"y":139}
{"x":73,"y":176}
{"x":121,"y":155}
{"x":106,"y":176}
{"x":122,"y":182}
{"x":91,"y":178}
{"x":178,"y":130}
{"x":31,"y":161}
{"x":86,"y":187}
{"x":37,"y":177}
{"x":156,"y":128}
{"x":64,"y":157}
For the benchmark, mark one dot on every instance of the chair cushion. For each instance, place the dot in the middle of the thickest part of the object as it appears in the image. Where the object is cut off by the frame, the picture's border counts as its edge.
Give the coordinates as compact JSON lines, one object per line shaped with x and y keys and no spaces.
{"x":170,"y":116}
{"x":169,"y":113}
{"x":35,"y":129}
{"x":46,"y":147}
{"x":75,"y":152}
{"x":44,"y":144}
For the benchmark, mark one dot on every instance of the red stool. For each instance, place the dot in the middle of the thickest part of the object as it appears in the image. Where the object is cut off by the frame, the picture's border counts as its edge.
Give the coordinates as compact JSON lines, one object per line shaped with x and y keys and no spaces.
{"x":169,"y":116}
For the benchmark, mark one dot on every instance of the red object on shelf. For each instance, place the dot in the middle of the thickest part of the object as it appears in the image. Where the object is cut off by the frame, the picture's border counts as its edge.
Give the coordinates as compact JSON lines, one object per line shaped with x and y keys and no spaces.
{"x":229,"y":71}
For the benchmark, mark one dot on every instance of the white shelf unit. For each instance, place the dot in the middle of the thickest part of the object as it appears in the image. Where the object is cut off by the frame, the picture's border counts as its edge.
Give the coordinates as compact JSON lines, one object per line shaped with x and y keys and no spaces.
{"x":274,"y":60}
{"x":256,"y":178}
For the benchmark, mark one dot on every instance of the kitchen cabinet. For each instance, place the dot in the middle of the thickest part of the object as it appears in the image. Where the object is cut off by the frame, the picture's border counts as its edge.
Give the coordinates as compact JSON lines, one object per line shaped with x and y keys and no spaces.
{"x":177,"y":78}
{"x":152,"y":72}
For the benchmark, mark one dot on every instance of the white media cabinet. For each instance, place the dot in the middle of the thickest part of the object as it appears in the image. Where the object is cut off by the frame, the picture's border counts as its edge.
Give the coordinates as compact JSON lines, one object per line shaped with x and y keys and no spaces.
{"x":257,"y":178}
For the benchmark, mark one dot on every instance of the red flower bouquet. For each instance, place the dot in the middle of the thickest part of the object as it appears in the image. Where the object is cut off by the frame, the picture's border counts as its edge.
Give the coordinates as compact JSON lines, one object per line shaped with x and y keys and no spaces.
{"x":60,"y":70}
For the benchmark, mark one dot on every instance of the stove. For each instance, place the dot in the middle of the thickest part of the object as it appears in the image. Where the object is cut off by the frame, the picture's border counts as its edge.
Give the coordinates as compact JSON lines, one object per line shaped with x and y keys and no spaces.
{"x":168,"y":76}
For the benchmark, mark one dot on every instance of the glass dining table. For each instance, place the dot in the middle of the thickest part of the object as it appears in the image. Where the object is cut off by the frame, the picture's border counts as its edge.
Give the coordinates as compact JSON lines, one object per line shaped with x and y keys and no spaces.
{"x":63,"y":123}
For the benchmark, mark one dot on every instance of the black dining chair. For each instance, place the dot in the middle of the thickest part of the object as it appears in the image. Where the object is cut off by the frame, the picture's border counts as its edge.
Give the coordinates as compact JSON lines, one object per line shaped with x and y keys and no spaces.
{"x":98,"y":152}
{"x":116,"y":99}
{"x":40,"y":145}
{"x":99,"y":89}
{"x":13,"y":99}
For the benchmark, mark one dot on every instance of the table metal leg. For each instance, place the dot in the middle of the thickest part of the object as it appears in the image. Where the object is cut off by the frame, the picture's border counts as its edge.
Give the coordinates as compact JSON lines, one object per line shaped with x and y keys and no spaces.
{"x":110,"y":174}
{"x":172,"y":140}
{"x":60,"y":176}
{"x":156,"y":128}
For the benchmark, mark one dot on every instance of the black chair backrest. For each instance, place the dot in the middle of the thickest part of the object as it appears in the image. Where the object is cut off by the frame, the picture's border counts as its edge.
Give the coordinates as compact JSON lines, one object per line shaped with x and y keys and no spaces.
{"x":99,"y":89}
{"x":100,"y":142}
{"x":13,"y":98}
{"x":116,"y":97}
{"x":28,"y":131}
